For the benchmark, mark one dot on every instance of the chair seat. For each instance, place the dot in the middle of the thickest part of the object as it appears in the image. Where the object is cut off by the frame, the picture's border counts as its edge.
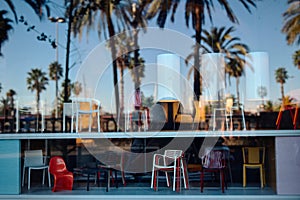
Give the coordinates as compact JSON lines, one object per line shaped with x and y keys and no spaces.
{"x":39,"y":167}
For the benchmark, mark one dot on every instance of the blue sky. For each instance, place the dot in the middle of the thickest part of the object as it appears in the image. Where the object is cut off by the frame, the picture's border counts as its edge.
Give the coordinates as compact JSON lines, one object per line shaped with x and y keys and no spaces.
{"x":261,"y":31}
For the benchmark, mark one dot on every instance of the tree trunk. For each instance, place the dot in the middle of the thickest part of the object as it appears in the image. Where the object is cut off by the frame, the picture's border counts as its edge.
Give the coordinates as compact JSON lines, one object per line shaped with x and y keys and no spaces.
{"x":122,"y":91}
{"x":37,"y":109}
{"x":136,"y":58}
{"x":282,"y":94}
{"x":198,"y":29}
{"x":113,"y":56}
{"x":238,"y":92}
{"x":66,"y":97}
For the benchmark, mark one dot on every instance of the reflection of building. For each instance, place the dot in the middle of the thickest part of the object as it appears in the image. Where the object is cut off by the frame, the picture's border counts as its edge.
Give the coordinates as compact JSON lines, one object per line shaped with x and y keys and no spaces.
{"x":257,"y":77}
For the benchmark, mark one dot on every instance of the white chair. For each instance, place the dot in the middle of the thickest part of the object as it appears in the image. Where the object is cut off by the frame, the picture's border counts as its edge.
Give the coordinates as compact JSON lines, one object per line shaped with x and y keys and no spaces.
{"x":140,"y":117}
{"x":228,"y":109}
{"x":78,"y":109}
{"x":33,"y":160}
{"x":170,"y":161}
{"x":28,"y":118}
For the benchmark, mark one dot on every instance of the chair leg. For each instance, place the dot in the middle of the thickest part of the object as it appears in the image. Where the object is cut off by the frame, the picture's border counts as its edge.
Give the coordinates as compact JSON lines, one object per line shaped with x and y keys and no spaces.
{"x":98,"y":120}
{"x":49,"y":180}
{"x":43,"y":177}
{"x":243,"y":116}
{"x":185,"y":174}
{"x":123,"y":178}
{"x":155,"y":180}
{"x":168,"y":179}
{"x":23,"y":176}
{"x":29,"y":170}
{"x":152,"y":177}
{"x":244,"y":176}
{"x":202,"y":177}
{"x":222,"y":179}
{"x":261,"y":177}
{"x":72,"y":123}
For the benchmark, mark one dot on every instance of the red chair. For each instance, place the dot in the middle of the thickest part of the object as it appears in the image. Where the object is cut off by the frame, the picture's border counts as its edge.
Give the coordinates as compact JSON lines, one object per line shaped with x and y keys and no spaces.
{"x":63,"y":179}
{"x":214,"y":161}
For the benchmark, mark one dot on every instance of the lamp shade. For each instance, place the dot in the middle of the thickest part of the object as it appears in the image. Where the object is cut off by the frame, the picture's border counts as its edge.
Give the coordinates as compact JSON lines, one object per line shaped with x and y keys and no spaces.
{"x":213,"y":76}
{"x":168,"y":76}
{"x":257,"y":76}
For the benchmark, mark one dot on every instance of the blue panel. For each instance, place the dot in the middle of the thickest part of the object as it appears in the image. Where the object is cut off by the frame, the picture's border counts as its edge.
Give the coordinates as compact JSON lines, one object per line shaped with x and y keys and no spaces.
{"x":10,"y":169}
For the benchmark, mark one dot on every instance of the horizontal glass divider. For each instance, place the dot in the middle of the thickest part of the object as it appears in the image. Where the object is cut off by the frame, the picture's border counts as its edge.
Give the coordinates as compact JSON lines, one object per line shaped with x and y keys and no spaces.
{"x":151,"y":134}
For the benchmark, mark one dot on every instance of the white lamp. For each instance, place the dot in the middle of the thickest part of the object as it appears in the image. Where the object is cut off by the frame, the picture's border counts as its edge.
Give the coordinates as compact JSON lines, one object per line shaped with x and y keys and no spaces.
{"x":257,"y":78}
{"x":213,"y":76}
{"x":168,"y":76}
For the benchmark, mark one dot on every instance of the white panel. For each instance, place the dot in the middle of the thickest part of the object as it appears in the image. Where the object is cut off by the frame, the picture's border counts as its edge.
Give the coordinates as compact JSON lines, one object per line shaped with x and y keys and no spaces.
{"x":287,"y":165}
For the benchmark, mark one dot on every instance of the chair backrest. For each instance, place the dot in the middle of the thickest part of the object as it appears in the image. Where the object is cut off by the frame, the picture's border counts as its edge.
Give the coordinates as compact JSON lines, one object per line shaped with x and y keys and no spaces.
{"x":173,"y":153}
{"x":33,"y":158}
{"x":85,"y":104}
{"x":254,"y":155}
{"x":229,"y":104}
{"x":57,"y":165}
{"x":214,"y":159}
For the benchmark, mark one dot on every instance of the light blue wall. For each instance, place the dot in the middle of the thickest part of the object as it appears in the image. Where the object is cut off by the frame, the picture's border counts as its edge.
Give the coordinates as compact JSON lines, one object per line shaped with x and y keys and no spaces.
{"x":10,"y":167}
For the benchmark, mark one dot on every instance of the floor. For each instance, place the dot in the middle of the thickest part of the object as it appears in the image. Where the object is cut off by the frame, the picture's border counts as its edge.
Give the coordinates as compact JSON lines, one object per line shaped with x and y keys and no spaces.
{"x":140,"y":189}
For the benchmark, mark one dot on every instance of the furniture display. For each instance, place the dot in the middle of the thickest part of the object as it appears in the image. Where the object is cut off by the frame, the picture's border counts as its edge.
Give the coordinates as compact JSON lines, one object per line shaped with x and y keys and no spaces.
{"x":63,"y":179}
{"x":254,"y":158}
{"x":82,"y":107}
{"x":33,"y":160}
{"x":170,"y":161}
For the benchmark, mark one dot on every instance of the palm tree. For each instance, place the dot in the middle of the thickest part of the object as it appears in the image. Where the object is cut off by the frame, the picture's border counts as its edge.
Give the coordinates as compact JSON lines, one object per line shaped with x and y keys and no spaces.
{"x":4,"y":107}
{"x":296,"y":58}
{"x":281,"y":75}
{"x":194,"y":14}
{"x":5,"y":27}
{"x":55,"y":73}
{"x":135,"y":17}
{"x":70,"y":87}
{"x":77,"y":88}
{"x":37,"y":81}
{"x":0,"y":87}
{"x":38,"y":5}
{"x":292,"y":22}
{"x":221,"y":40}
{"x":85,"y":16}
{"x":12,"y":8}
{"x":10,"y":100}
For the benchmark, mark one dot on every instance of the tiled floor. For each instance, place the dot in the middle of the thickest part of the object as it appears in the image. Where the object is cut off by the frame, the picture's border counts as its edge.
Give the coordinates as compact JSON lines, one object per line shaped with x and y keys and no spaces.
{"x":142,"y":190}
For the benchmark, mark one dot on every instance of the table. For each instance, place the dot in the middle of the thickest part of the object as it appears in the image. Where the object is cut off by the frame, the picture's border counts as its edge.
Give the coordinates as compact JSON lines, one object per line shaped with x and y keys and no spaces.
{"x":170,"y":107}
